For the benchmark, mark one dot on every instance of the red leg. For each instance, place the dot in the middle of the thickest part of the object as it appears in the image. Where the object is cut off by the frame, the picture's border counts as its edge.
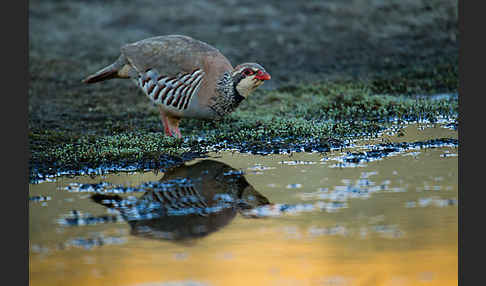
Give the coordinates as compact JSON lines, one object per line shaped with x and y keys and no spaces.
{"x":165,"y":122}
{"x":174,"y":126}
{"x":171,"y":125}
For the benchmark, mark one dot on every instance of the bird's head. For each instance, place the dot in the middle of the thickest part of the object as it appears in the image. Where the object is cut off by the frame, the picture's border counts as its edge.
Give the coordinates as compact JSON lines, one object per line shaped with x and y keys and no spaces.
{"x":249,"y":76}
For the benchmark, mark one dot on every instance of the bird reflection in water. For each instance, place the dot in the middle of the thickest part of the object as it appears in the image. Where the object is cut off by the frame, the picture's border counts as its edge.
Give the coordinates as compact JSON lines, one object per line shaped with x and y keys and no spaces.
{"x":190,"y":201}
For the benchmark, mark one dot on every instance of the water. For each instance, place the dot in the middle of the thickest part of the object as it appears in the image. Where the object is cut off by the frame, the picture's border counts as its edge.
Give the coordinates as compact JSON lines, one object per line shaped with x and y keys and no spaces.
{"x":385,"y":217}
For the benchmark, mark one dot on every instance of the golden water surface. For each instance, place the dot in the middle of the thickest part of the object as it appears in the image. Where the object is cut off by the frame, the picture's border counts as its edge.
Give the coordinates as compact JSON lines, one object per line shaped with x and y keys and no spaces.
{"x":395,"y":222}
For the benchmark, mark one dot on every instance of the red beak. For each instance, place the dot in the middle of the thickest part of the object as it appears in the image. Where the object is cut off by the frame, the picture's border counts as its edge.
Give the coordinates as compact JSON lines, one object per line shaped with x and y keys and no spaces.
{"x":263,"y":75}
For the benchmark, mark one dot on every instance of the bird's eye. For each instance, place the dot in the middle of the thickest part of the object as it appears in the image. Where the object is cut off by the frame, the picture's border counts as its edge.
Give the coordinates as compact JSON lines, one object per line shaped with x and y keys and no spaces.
{"x":247,"y":72}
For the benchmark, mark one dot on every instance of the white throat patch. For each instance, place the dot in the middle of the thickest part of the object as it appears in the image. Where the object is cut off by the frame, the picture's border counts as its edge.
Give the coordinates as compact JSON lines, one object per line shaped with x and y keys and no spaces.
{"x":247,"y":85}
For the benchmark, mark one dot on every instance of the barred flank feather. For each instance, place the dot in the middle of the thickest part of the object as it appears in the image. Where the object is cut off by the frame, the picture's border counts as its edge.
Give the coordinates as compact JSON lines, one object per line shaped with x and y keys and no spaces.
{"x":171,"y":92}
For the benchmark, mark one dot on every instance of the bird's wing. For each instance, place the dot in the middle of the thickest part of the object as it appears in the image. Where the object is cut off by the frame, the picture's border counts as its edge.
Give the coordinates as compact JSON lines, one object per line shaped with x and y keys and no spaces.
{"x":168,"y":55}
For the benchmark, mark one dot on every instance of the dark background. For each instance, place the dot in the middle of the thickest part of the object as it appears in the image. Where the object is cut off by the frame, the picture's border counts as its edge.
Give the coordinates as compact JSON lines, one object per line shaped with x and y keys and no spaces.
{"x":294,"y":40}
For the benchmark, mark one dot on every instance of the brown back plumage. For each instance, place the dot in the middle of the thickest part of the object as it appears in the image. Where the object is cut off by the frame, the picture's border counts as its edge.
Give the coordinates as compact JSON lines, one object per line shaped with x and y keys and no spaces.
{"x":169,"y":55}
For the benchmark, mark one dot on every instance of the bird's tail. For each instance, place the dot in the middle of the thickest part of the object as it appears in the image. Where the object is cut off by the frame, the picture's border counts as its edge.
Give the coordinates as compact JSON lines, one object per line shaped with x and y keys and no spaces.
{"x":109,"y":72}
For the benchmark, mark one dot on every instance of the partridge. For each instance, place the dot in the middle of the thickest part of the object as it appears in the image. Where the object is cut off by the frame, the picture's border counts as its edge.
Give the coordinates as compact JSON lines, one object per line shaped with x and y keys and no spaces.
{"x":184,"y":77}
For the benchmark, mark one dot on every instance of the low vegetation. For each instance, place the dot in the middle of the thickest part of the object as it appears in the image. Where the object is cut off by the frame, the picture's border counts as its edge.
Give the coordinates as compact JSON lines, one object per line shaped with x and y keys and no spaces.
{"x":293,"y":118}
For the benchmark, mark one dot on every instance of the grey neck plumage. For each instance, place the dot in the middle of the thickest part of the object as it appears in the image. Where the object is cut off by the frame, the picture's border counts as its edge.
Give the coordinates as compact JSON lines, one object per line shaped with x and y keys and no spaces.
{"x":228,"y":97}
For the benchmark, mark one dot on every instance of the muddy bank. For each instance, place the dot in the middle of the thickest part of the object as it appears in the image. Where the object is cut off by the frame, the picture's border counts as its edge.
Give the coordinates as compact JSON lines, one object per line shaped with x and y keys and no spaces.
{"x":273,"y":122}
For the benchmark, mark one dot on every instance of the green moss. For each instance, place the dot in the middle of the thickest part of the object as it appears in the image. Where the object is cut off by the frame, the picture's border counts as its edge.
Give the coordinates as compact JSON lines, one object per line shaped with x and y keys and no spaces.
{"x":273,"y":120}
